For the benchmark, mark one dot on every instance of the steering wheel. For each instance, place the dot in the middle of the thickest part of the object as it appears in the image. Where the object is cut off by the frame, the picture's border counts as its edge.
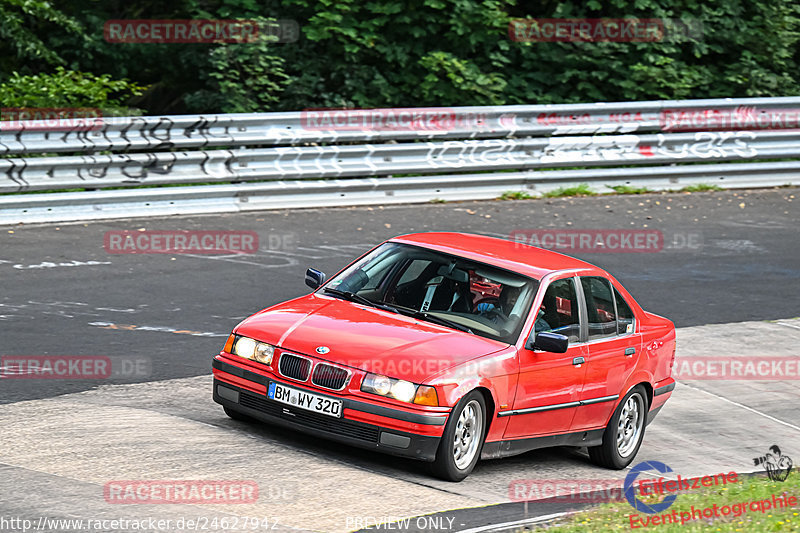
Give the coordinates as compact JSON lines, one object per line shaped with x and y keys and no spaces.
{"x":494,"y":300}
{"x":495,"y":312}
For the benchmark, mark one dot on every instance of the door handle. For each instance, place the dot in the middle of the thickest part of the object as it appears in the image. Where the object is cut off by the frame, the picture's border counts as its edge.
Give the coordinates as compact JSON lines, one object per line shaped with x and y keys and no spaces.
{"x":578,"y":361}
{"x":630,"y":351}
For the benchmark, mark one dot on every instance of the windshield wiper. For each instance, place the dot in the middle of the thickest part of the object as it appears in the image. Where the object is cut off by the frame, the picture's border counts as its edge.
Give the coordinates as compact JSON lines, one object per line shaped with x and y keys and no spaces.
{"x":357,"y":298}
{"x":433,"y":318}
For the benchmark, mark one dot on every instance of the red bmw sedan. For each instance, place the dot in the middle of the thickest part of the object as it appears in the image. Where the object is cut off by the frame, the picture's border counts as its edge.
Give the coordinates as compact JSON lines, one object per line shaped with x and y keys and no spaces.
{"x":450,"y":348}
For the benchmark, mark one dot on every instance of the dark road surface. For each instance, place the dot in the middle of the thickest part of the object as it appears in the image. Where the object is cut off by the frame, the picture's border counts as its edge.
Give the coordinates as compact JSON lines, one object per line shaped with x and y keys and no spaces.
{"x":728,"y":257}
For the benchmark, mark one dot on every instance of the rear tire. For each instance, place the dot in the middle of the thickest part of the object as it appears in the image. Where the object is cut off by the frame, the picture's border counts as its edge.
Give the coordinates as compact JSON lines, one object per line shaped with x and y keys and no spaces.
{"x":462,"y":440}
{"x":625,"y":431}
{"x":236,"y":415}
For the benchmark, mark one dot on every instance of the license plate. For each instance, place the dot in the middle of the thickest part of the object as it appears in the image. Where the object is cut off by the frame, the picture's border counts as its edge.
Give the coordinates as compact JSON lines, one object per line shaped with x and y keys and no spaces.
{"x":304,"y":400}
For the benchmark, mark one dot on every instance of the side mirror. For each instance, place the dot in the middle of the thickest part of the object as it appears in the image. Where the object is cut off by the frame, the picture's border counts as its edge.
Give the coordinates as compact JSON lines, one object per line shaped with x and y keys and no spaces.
{"x":314,"y":278}
{"x":548,"y":341}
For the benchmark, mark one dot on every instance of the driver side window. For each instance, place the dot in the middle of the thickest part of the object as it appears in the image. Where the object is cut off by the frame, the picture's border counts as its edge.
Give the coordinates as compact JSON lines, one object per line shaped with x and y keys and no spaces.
{"x":559,"y":310}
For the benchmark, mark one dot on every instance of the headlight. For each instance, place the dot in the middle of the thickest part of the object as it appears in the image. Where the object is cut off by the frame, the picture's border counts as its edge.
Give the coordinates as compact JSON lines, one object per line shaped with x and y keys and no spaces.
{"x":248,"y":348}
{"x":399,"y":389}
{"x":404,"y":390}
{"x":245,"y":347}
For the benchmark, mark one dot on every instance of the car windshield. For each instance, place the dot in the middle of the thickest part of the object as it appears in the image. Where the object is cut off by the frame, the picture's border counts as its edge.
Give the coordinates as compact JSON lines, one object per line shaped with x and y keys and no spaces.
{"x":441,"y":288}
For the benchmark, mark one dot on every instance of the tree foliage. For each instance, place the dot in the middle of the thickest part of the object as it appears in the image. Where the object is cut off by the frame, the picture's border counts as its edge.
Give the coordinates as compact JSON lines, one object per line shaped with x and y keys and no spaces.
{"x":241,"y":77}
{"x":24,"y":22}
{"x":67,"y":88}
{"x":390,"y":53}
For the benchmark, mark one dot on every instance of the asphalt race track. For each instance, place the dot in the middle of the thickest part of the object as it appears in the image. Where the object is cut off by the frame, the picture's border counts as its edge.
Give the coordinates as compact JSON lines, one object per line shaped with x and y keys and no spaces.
{"x":728,"y":276}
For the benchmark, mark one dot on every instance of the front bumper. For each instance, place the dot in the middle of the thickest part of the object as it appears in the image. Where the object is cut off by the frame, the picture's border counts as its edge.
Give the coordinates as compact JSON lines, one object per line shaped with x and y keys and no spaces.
{"x":232,"y":391}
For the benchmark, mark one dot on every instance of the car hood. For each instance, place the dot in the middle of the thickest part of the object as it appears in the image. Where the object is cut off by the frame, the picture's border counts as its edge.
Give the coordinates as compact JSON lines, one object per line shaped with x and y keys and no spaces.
{"x":364,"y":337}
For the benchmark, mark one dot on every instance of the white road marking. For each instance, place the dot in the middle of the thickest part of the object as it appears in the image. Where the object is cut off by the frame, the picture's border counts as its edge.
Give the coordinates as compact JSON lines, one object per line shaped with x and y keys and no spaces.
{"x":737,"y":404}
{"x":50,"y":264}
{"x":290,"y":257}
{"x":788,"y":325}
{"x":291,"y":261}
{"x":517,"y":523}
{"x":6,"y":371}
{"x":161,"y":329}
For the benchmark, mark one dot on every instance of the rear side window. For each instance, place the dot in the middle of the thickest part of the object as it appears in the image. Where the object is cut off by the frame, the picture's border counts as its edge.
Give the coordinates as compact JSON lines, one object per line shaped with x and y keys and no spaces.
{"x":625,"y":320}
{"x":602,"y":317}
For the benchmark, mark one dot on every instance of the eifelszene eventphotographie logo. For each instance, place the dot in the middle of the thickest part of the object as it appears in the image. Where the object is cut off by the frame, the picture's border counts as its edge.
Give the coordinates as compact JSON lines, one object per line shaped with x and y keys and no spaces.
{"x":630,"y":488}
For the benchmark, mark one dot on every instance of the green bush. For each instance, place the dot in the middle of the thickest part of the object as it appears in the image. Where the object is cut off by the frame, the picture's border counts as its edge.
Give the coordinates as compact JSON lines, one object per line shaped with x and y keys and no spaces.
{"x":66,"y":88}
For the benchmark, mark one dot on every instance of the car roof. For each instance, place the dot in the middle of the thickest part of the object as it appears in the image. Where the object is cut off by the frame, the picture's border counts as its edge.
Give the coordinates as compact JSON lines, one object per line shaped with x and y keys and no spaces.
{"x":517,"y":257}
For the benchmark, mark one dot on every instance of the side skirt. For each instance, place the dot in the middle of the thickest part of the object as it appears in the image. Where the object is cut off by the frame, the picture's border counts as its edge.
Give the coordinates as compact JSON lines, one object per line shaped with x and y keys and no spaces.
{"x":652,"y":414}
{"x":505,"y":448}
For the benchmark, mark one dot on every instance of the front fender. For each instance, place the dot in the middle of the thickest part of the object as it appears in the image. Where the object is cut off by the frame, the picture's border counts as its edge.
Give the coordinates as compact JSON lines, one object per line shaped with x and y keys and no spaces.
{"x":497,"y":374}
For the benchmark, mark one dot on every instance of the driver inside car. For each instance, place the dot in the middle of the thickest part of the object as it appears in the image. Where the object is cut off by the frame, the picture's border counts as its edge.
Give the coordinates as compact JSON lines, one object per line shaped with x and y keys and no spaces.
{"x":505,"y":304}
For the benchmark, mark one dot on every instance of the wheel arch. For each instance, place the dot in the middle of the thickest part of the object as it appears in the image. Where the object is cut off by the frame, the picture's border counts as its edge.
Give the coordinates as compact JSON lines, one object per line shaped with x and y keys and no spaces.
{"x":491,"y":408}
{"x":648,"y":389}
{"x":641,"y":377}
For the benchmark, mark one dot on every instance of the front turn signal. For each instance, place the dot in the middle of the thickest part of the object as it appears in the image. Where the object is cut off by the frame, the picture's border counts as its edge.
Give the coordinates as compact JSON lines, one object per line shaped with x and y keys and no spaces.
{"x":229,"y":344}
{"x":426,"y":396}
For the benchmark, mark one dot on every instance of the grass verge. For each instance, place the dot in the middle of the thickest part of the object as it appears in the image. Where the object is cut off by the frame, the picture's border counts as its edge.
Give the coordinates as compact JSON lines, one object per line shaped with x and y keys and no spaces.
{"x":578,"y":190}
{"x":515,"y":195}
{"x":620,"y":516}
{"x":629,"y":189}
{"x":701,"y":187}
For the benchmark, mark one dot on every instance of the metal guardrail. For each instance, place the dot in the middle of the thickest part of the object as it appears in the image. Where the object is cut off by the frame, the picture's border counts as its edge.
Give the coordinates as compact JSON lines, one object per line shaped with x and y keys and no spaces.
{"x":339,"y":157}
{"x":242,"y":197}
{"x":308,"y":162}
{"x":283,"y":129}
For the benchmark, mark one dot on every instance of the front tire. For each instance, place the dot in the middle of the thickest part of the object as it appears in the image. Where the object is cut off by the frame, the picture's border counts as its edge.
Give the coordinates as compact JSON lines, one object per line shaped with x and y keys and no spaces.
{"x":624,"y":434}
{"x":462,"y":440}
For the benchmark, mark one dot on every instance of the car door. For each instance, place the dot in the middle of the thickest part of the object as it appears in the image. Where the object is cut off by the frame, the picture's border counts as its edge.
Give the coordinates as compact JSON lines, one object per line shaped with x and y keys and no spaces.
{"x":613,"y":346}
{"x":548,"y":386}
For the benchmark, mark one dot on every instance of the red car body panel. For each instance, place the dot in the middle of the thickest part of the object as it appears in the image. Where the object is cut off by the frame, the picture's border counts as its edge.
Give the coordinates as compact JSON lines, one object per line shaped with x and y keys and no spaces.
{"x":560,"y":402}
{"x":365,"y":337}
